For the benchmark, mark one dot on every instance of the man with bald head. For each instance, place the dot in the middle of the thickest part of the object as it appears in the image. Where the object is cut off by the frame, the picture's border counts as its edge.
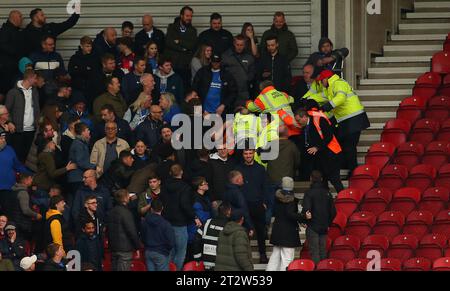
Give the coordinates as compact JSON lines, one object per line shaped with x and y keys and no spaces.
{"x":92,"y":188}
{"x":149,"y":130}
{"x":12,"y":48}
{"x":148,"y":33}
{"x":39,"y":27}
{"x":105,"y":43}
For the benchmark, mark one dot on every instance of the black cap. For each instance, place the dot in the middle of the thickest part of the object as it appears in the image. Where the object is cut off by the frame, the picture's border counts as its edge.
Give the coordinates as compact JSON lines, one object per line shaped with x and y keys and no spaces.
{"x":236,"y":214}
{"x":216,"y":59}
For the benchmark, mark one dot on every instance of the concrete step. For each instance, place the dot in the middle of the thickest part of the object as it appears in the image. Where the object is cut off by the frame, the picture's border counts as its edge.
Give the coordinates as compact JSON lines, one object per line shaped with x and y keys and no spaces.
{"x":410,"y":50}
{"x":428,"y":15}
{"x":404,"y":59}
{"x":386,"y":82}
{"x":417,"y":28}
{"x":397,"y":72}
{"x":418,"y":37}
{"x":385,"y":92}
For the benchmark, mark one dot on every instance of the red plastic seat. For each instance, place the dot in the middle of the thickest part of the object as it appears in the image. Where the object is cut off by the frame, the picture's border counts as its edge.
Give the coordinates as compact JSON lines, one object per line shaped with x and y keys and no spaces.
{"x":444,"y":132}
{"x":376,"y":242}
{"x":390,"y":223}
{"x":393,"y":177}
{"x":364,"y":177}
{"x":434,"y":199}
{"x":427,"y":85}
{"x":194,"y":267}
{"x":445,"y":88}
{"x":418,"y":223}
{"x":376,"y":200}
{"x":436,"y":154}
{"x":345,"y":248}
{"x":424,"y":131}
{"x":441,"y":223}
{"x":440,"y":63}
{"x":357,"y":265}
{"x":330,"y":265}
{"x":411,"y":108}
{"x":403,"y":247}
{"x":390,"y":265}
{"x":172,"y":267}
{"x":438,"y":108}
{"x":421,"y":177}
{"x":396,"y":131}
{"x":302,"y":265}
{"x":417,"y":265}
{"x":380,"y":154}
{"x":432,"y":246}
{"x":409,"y":154}
{"x":138,"y":266}
{"x":347,"y":201}
{"x":337,"y":226}
{"x":360,"y":224}
{"x":443,"y":179}
{"x":447,"y":251}
{"x":442,"y":264}
{"x":405,"y":200}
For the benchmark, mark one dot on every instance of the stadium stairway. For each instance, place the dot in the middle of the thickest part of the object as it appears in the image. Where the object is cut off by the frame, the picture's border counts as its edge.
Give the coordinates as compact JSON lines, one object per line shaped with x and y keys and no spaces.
{"x":391,"y":78}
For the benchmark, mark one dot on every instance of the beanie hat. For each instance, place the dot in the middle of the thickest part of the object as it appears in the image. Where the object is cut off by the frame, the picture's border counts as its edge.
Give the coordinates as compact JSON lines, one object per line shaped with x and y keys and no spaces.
{"x":287,"y":183}
{"x":23,"y":62}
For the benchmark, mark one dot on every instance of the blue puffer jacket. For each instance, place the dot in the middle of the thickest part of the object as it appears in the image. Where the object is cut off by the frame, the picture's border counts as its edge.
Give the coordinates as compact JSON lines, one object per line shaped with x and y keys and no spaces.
{"x":157,"y":234}
{"x":202,"y":208}
{"x":79,"y":154}
{"x":9,"y":165}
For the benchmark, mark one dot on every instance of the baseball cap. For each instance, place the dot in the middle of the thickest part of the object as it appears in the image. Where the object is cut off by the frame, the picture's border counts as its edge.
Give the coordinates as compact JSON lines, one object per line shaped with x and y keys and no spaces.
{"x":324,"y":75}
{"x":27,"y":262}
{"x":10,"y":227}
{"x":216,"y":59}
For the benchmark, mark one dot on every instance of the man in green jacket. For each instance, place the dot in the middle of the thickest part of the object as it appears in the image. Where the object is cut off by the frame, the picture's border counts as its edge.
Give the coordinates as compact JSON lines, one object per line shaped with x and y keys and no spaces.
{"x":233,"y":251}
{"x":111,"y":96}
{"x":286,"y":39}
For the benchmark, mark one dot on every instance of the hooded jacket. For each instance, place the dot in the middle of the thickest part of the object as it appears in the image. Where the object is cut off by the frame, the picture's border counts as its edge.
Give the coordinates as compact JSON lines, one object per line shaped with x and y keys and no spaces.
{"x":202,"y":208}
{"x":9,"y":166}
{"x":157,"y":234}
{"x":233,"y":251}
{"x":101,"y":47}
{"x":15,"y":103}
{"x":82,"y":68}
{"x":285,"y":230}
{"x":320,"y":203}
{"x":57,"y":230}
{"x":12,"y":47}
{"x":279,"y":69}
{"x":17,"y":207}
{"x":286,"y":163}
{"x":286,"y":40}
{"x":47,"y":172}
{"x":91,"y":250}
{"x":180,"y":43}
{"x":177,"y":200}
{"x":172,"y":83}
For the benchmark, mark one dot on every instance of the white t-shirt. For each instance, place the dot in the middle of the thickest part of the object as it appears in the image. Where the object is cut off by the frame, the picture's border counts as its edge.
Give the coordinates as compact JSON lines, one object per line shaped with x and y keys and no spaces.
{"x":28,"y":118}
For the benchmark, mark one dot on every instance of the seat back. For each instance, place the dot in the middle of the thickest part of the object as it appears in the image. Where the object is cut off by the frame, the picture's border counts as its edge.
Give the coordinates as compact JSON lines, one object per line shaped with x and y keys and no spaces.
{"x":440,"y":63}
{"x":417,"y":265}
{"x":330,"y":265}
{"x":301,"y":265}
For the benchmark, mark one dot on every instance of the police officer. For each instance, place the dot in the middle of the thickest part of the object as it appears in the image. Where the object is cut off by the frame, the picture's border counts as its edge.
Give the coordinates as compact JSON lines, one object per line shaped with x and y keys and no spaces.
{"x":321,"y":144}
{"x":349,"y":113}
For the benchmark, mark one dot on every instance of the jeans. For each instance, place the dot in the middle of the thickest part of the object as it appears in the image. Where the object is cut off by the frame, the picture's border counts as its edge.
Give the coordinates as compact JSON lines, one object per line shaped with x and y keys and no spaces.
{"x":178,"y":254}
{"x":156,"y":261}
{"x":121,"y":261}
{"x":317,"y":245}
{"x":280,"y":259}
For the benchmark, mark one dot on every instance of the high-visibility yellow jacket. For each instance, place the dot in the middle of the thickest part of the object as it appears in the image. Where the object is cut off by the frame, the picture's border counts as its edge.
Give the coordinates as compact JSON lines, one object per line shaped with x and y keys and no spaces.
{"x":246,"y":126}
{"x":316,"y":92}
{"x":270,"y":101}
{"x":343,"y":101}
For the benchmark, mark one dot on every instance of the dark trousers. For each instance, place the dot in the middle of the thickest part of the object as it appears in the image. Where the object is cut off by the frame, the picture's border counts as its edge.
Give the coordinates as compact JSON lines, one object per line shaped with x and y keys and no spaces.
{"x":329,"y":165}
{"x":21,"y":142}
{"x":349,"y":150}
{"x":258,"y":216}
{"x":185,"y":74}
{"x":317,"y":245}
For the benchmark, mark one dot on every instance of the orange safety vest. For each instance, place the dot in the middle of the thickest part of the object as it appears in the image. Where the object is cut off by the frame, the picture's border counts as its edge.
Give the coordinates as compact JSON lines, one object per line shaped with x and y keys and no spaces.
{"x":290,"y":122}
{"x":334,"y":145}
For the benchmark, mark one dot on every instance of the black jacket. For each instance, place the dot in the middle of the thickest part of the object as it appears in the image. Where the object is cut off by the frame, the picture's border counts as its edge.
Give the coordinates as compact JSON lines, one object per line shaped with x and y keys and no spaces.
{"x":101,"y":47}
{"x":285,"y":230}
{"x":202,"y":83}
{"x":178,"y":202}
{"x":235,"y":197}
{"x":320,"y":203}
{"x":298,"y":91}
{"x":12,"y":47}
{"x":117,"y":177}
{"x":98,"y":82}
{"x":313,"y":138}
{"x":149,"y":132}
{"x":83,"y":69}
{"x":279,"y":69}
{"x":122,"y":232}
{"x":91,"y":250}
{"x":51,"y":266}
{"x":141,"y":39}
{"x":180,"y":45}
{"x":220,"y":40}
{"x":34,"y":35}
{"x":256,"y":187}
{"x":157,"y":234}
{"x":219,"y":172}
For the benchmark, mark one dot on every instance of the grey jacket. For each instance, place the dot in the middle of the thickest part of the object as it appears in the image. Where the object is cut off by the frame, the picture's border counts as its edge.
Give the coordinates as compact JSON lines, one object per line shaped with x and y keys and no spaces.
{"x":15,"y":102}
{"x":241,"y":67}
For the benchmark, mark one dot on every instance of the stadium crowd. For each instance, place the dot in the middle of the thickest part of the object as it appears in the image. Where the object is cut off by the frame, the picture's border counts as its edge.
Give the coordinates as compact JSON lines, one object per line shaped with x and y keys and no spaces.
{"x":87,"y":160}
